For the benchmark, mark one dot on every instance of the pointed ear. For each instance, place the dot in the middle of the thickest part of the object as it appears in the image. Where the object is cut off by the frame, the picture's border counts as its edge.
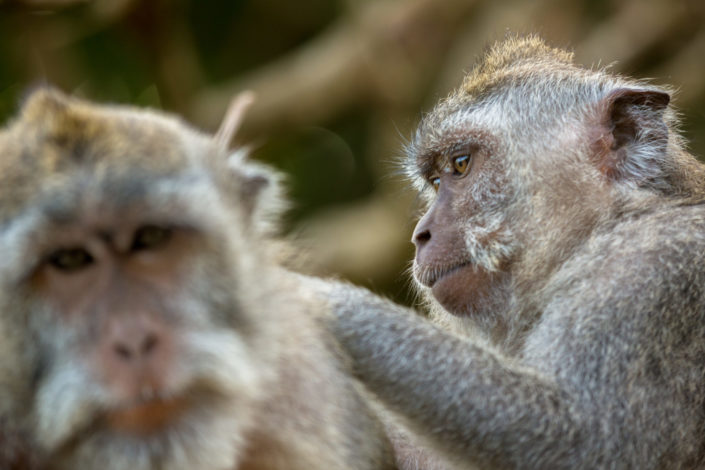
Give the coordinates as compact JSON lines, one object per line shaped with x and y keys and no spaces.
{"x":631,"y":133}
{"x":255,"y":188}
{"x":43,"y":105}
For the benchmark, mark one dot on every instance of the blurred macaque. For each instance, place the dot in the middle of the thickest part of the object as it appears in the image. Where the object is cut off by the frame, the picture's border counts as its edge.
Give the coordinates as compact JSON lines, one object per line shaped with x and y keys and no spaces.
{"x":145,"y":321}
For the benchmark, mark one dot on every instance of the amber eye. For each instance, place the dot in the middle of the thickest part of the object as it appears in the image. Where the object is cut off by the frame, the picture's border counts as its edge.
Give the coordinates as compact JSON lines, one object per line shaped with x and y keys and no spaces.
{"x":150,"y":237}
{"x":460,"y":164}
{"x":70,"y":259}
{"x":435,"y":183}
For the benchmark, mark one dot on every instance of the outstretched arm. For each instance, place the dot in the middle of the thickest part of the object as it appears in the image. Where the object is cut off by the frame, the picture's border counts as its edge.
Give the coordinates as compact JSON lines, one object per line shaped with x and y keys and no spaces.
{"x":473,"y":404}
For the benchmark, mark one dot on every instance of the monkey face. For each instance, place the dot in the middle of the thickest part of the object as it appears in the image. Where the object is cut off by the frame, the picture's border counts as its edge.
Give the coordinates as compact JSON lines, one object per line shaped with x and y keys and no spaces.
{"x":464,"y":242}
{"x":125,"y":277}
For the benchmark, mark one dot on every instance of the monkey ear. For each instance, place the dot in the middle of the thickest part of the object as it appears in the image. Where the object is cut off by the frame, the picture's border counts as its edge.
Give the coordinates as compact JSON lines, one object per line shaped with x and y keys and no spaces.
{"x":43,"y":104}
{"x":632,"y":134}
{"x":258,"y":191}
{"x":258,"y":188}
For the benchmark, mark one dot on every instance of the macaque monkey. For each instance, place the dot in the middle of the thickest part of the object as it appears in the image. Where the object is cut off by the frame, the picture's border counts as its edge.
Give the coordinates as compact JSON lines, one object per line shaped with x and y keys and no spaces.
{"x":146,"y":322}
{"x":563,"y":255}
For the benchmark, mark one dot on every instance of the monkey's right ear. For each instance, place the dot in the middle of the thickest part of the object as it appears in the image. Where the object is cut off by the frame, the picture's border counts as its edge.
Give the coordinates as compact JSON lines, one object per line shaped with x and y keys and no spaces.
{"x":43,"y":104}
{"x":632,"y":134}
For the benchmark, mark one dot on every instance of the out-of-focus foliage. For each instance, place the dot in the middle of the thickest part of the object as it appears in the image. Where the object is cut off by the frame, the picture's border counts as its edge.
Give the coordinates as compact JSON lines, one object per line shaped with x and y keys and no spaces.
{"x":340,"y":85}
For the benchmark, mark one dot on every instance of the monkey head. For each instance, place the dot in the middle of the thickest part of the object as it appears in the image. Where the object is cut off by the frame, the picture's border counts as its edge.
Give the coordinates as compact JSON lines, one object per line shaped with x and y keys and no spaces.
{"x":127,"y":241}
{"x":519,"y":164}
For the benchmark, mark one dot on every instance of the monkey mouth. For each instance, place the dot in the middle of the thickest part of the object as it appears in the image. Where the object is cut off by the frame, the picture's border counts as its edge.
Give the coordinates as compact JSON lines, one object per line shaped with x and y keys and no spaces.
{"x":145,"y":421}
{"x":159,"y":412}
{"x":428,"y":276}
{"x":137,"y":418}
{"x":147,"y":416}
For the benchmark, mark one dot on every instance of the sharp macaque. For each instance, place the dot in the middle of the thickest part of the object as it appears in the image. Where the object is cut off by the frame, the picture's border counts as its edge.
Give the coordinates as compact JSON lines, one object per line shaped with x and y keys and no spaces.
{"x":146,"y":323}
{"x":563,"y":251}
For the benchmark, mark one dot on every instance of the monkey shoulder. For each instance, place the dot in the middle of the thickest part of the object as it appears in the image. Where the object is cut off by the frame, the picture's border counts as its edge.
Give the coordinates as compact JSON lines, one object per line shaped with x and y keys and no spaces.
{"x":630,"y":303}
{"x":647,"y":270}
{"x":633,"y":264}
{"x":622,"y":331}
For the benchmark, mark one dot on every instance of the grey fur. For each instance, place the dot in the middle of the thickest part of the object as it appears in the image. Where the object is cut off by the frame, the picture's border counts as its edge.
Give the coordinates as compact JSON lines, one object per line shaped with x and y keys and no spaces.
{"x":593,"y":354}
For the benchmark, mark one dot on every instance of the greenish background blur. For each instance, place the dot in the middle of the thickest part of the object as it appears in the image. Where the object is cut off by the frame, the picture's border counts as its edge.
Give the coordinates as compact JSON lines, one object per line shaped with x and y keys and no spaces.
{"x":340,"y":85}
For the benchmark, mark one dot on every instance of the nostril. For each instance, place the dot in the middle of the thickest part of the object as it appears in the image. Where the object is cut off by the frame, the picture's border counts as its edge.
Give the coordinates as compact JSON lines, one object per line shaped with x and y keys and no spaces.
{"x":422,"y":237}
{"x":128,"y":351}
{"x":122,"y":351}
{"x":150,"y":342}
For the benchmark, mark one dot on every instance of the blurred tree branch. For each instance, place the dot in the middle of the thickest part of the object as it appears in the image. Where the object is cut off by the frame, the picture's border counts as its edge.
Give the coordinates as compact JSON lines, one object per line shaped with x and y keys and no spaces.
{"x":378,"y":52}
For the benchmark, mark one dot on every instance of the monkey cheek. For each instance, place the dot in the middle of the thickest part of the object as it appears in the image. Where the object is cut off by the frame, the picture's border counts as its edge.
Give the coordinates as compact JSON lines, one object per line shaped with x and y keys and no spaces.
{"x":462,"y":292}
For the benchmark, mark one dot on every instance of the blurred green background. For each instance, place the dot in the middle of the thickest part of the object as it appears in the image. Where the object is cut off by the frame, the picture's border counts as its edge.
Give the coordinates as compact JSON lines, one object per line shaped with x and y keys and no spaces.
{"x":340,"y":85}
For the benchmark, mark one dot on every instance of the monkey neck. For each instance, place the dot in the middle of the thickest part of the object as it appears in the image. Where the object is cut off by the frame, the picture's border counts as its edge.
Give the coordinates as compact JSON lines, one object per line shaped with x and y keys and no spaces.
{"x":538,"y":268}
{"x":554,"y":236}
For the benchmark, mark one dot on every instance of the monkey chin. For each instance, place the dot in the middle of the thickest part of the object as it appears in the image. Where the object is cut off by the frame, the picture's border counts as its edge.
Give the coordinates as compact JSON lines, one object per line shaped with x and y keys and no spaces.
{"x":463,"y":290}
{"x":199,"y":430}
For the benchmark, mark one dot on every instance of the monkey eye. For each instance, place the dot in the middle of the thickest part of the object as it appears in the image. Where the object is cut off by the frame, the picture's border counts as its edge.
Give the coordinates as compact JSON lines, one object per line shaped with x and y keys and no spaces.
{"x":460,"y":164}
{"x":435,"y":183}
{"x":70,"y":259}
{"x":150,"y":237}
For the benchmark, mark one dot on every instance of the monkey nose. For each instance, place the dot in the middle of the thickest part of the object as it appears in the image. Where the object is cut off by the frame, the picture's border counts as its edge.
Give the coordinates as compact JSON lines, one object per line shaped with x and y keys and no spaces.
{"x":422,"y":231}
{"x":136,"y":352}
{"x":133,"y":340}
{"x":135,"y":349}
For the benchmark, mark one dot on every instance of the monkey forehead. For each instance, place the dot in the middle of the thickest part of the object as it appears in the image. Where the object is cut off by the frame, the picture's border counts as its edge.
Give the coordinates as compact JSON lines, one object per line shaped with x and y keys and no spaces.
{"x":515,"y":107}
{"x":451,"y":127}
{"x":449,"y":121}
{"x":60,"y":131}
{"x":130,"y":194}
{"x":518,"y":80}
{"x":112,"y":198}
{"x":55,"y":133}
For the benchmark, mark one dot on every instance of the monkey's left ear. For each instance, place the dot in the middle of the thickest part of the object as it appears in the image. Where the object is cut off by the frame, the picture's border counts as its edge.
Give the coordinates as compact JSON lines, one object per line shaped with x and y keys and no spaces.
{"x":258,"y":191}
{"x":257,"y":187}
{"x":632,"y":133}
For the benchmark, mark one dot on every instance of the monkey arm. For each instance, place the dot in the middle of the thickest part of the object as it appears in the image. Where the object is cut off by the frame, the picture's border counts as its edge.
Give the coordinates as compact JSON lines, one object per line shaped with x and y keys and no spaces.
{"x":616,"y":375}
{"x":474,"y":404}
